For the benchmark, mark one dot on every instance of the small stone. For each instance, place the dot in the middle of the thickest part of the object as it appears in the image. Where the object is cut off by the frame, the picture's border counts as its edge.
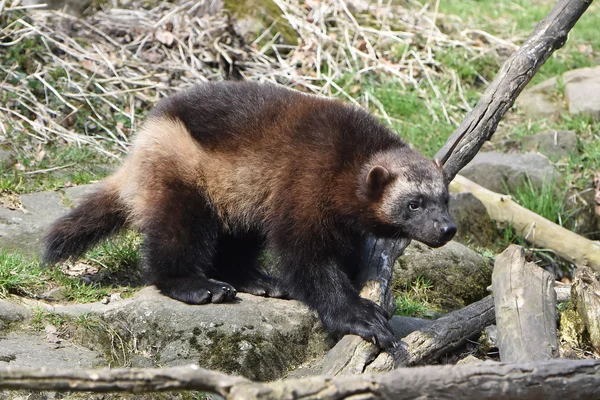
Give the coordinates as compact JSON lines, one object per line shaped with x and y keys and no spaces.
{"x":469,"y":360}
{"x":115,"y":297}
{"x":582,"y":91}
{"x":499,"y":171}
{"x":489,"y":339}
{"x":7,"y":159}
{"x":553,"y":144}
{"x":55,"y":294}
{"x":540,"y":101}
{"x":105,"y":300}
{"x":472,"y":220}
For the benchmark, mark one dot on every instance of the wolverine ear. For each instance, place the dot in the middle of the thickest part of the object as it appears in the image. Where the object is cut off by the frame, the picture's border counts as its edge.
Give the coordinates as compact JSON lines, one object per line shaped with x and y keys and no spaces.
{"x":377,"y":178}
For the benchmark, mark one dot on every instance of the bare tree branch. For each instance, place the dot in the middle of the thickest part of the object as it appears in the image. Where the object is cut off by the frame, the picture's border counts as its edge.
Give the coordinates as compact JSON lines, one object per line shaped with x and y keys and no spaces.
{"x":445,"y":334}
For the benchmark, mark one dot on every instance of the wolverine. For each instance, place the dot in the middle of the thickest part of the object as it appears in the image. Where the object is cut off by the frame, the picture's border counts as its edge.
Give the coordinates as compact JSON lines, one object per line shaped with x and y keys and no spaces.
{"x":222,"y":171}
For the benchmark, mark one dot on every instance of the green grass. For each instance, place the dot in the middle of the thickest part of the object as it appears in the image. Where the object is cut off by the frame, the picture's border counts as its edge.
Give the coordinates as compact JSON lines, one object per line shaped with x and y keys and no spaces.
{"x":547,"y":201}
{"x":413,"y":300}
{"x":503,"y":18}
{"x":118,"y":260}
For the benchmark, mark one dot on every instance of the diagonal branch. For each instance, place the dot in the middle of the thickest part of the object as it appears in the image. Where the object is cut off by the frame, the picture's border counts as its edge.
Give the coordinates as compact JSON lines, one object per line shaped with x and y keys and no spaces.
{"x":481,"y":123}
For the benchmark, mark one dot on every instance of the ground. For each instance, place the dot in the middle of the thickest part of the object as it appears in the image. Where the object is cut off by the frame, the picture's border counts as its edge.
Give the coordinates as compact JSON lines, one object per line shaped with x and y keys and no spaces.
{"x":73,"y":92}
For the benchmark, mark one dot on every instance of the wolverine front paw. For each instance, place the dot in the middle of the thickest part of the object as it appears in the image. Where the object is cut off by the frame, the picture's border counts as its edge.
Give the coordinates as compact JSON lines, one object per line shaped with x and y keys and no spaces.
{"x":365,"y":319}
{"x":197,"y":290}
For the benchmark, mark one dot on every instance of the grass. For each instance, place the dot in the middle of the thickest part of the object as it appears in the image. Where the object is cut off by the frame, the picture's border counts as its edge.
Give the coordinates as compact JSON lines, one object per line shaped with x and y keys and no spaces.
{"x":547,"y":201}
{"x":413,"y":300}
{"x":518,"y":18}
{"x":117,"y":262}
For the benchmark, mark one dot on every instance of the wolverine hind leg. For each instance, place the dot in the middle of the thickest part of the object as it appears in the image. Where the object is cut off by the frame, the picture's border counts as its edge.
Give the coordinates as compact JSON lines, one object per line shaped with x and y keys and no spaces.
{"x":180,"y":231}
{"x":237,"y":262}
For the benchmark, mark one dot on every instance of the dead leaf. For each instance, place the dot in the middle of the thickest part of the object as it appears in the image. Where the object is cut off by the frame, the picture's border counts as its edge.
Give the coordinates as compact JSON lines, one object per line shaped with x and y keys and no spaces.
{"x":12,"y":201}
{"x":165,"y":37}
{"x":584,"y":49}
{"x":52,"y":334}
{"x":79,"y":268}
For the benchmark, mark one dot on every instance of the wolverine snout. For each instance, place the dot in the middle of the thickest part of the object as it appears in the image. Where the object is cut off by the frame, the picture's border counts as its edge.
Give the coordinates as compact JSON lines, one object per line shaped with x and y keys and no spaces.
{"x":448,"y":231}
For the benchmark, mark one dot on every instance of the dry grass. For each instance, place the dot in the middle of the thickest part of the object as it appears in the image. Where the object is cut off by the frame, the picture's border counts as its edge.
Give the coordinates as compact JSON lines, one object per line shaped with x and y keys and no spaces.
{"x":89,"y":81}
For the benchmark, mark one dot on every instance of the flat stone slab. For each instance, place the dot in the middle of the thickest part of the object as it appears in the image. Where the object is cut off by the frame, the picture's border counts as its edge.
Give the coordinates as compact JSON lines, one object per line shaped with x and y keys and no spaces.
{"x":24,"y":231}
{"x":261,"y":338}
{"x":27,"y":350}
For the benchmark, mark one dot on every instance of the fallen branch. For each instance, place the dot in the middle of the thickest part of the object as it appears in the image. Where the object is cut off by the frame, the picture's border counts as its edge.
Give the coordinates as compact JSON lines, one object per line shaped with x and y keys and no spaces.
{"x":445,"y":334}
{"x":525,"y":304}
{"x":536,"y":229}
{"x":549,"y":380}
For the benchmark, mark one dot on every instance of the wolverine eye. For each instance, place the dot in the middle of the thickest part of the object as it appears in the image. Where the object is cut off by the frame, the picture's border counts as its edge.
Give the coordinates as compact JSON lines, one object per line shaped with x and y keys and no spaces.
{"x":413,"y":206}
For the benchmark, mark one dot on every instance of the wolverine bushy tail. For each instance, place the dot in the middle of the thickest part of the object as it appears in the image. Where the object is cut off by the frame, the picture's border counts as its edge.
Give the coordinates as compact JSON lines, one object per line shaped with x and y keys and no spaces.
{"x":98,"y":216}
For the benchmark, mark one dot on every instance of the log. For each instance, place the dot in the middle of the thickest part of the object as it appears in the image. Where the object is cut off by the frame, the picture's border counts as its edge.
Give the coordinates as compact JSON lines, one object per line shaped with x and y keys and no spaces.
{"x":352,"y":354}
{"x":444,"y":334}
{"x":586,"y":299}
{"x":525,"y":304}
{"x":553,"y":379}
{"x":535,"y":228}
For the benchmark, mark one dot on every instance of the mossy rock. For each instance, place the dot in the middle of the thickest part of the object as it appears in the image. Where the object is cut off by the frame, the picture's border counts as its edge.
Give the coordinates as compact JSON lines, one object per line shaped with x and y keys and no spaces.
{"x":253,"y":17}
{"x":472,"y":220}
{"x":260,"y":338}
{"x":459,"y":276}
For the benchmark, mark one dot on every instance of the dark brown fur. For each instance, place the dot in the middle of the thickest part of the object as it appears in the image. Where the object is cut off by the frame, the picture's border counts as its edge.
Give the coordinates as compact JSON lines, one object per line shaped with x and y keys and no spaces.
{"x":222,"y":170}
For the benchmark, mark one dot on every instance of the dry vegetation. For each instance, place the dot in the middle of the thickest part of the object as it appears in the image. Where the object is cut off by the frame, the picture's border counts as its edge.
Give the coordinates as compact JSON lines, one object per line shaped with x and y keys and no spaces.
{"x":89,"y":81}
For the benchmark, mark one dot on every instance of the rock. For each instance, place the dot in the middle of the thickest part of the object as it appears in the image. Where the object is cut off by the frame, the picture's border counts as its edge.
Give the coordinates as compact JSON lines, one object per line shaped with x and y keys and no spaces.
{"x":582,"y":91}
{"x":24,"y":230}
{"x":472,"y":220}
{"x":253,"y":17}
{"x":469,"y":360}
{"x":459,"y":276}
{"x":541,"y":101}
{"x":7,"y":159}
{"x":256,"y":337}
{"x":499,"y":171}
{"x":553,"y":144}
{"x":28,"y":350}
{"x":491,"y":336}
{"x":55,"y":294}
{"x":10,"y":312}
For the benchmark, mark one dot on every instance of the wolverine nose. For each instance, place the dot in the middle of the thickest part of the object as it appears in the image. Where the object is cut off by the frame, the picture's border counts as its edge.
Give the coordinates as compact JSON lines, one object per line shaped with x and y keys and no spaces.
{"x":448,"y":231}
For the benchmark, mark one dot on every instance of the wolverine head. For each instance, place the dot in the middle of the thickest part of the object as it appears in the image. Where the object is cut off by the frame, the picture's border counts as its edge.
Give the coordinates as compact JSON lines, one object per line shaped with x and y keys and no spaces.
{"x":408,"y":197}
